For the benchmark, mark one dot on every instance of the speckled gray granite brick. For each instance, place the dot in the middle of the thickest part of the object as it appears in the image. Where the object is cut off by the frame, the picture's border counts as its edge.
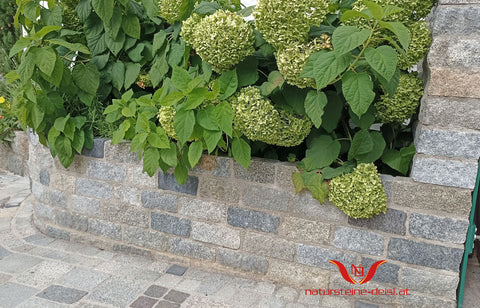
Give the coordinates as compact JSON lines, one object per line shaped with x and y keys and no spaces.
{"x":438,"y":228}
{"x":256,"y":220}
{"x":145,"y":238}
{"x":171,"y":224}
{"x":105,"y":229}
{"x":245,"y":262}
{"x":260,"y":171}
{"x":89,"y":206}
{"x":320,"y":257}
{"x":160,"y":201}
{"x":97,"y":150}
{"x":456,"y":20}
{"x":430,"y":283}
{"x":106,"y":171}
{"x":266,"y":198}
{"x":72,"y":221}
{"x":92,"y":188}
{"x":44,"y":177}
{"x":387,"y":272}
{"x":188,"y":248}
{"x":358,"y":240}
{"x":57,"y":233}
{"x":393,"y":221}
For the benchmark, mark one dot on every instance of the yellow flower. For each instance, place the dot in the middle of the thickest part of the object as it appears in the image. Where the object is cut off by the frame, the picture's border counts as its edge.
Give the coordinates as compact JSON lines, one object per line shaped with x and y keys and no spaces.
{"x":2,"y":100}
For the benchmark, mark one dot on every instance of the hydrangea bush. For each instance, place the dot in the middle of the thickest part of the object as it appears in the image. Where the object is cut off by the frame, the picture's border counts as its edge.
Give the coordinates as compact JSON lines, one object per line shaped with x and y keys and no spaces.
{"x":303,"y":80}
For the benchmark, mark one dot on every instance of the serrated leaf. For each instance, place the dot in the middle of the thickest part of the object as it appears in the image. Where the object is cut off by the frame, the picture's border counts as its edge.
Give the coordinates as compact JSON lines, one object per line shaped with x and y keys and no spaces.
{"x":317,"y":186}
{"x":298,"y":182}
{"x":195,"y":153}
{"x":45,"y":59}
{"x":224,"y":117}
{"x":37,"y":116}
{"x":330,"y":173}
{"x":383,"y":60}
{"x":104,"y":9}
{"x":362,"y":143}
{"x":150,"y":161}
{"x":57,"y":74}
{"x":375,"y":9}
{"x":399,"y":29}
{"x":20,"y":45}
{"x":315,"y":102}
{"x":181,"y":174}
{"x":159,"y":40}
{"x":390,"y":87}
{"x":211,"y":137}
{"x":358,"y":91}
{"x":323,"y":151}
{"x":115,"y":45}
{"x":131,"y":73}
{"x":350,"y":14}
{"x":159,"y":70}
{"x":131,"y":26}
{"x":171,"y":98}
{"x":60,"y":122}
{"x":169,"y":156}
{"x":228,"y":82}
{"x":206,"y":118}
{"x":324,"y":67}
{"x":158,"y":140}
{"x":183,"y":124}
{"x":346,"y":38}
{"x":176,"y":54}
{"x":241,"y":152}
{"x":151,"y":7}
{"x":86,"y":77}
{"x":180,"y":78}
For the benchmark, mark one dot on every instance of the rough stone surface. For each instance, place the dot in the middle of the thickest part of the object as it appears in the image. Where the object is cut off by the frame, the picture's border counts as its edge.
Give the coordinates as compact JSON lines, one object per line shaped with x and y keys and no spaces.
{"x":91,"y":188}
{"x":424,"y":254}
{"x":443,"y":171}
{"x":218,"y":166}
{"x":266,"y":198}
{"x":438,"y":111}
{"x":63,"y":182}
{"x":105,"y":228}
{"x":393,"y":221}
{"x":304,"y":204}
{"x":260,"y":171}
{"x":456,"y":20}
{"x":422,"y":301}
{"x":72,"y":221}
{"x":358,"y":240}
{"x":387,"y":272}
{"x":359,"y":304}
{"x":176,"y":296}
{"x":211,"y":211}
{"x":188,"y":248}
{"x":245,"y":262}
{"x":408,"y":193}
{"x":320,"y":257}
{"x":298,"y":274}
{"x":269,"y":246}
{"x":171,"y":224}
{"x":61,"y":294}
{"x":86,"y":205}
{"x":120,"y":153}
{"x":44,"y":211}
{"x":449,"y":82}
{"x":57,"y":233}
{"x":13,"y":294}
{"x":97,"y":150}
{"x":137,"y":178}
{"x":44,"y":177}
{"x":302,"y":230}
{"x":106,"y":171}
{"x":166,"y":181}
{"x":283,"y":176}
{"x":127,"y":194}
{"x":156,"y":291}
{"x":220,"y":190}
{"x":216,"y":234}
{"x":177,"y":270}
{"x":160,"y":201}
{"x":430,"y":283}
{"x":125,"y":214}
{"x":438,"y":228}
{"x":447,"y":142}
{"x":462,"y":53}
{"x":145,"y":238}
{"x":260,"y":221}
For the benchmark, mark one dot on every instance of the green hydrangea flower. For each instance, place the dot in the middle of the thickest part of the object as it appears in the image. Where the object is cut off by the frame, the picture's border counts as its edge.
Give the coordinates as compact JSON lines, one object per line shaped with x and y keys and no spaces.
{"x":359,"y":194}
{"x":222,"y":39}
{"x":166,"y":116}
{"x":404,"y":103}
{"x":419,"y":45}
{"x":258,"y":119}
{"x":291,"y":60}
{"x":413,"y":10}
{"x":284,"y":23}
{"x":170,"y":10}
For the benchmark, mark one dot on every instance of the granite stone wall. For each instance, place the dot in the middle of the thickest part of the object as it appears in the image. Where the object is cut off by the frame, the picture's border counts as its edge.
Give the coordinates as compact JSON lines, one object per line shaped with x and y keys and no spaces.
{"x":14,"y":157}
{"x":253,"y":223}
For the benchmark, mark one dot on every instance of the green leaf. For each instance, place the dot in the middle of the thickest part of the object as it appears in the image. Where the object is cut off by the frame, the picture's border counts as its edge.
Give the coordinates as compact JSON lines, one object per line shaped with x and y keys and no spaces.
{"x":83,"y":9}
{"x":20,"y":45}
{"x":391,"y":9}
{"x":181,"y":174}
{"x":60,"y":123}
{"x":118,"y":75}
{"x":180,"y":78}
{"x":330,"y":173}
{"x":63,"y":146}
{"x":71,"y":46}
{"x":138,"y":142}
{"x":346,"y":38}
{"x":228,"y":84}
{"x":46,"y":30}
{"x":358,"y":91}
{"x":131,"y":73}
{"x":183,"y":124}
{"x":53,"y":133}
{"x":129,"y":110}
{"x":78,"y":141}
{"x":323,"y":151}
{"x":88,"y":138}
{"x":115,"y":23}
{"x":169,"y":156}
{"x":247,"y":72}
{"x":151,"y":7}
{"x":159,"y":140}
{"x":26,"y":68}
{"x":79,"y":121}
{"x":86,"y":77}
{"x":150,"y":161}
{"x":207,"y":8}
{"x":57,"y":74}
{"x":45,"y":59}
{"x":171,"y":98}
{"x":195,"y":152}
{"x":399,"y":29}
{"x":159,"y":70}
{"x":115,"y":45}
{"x":377,"y":151}
{"x":131,"y":26}
{"x":350,"y":14}
{"x":383,"y":60}
{"x":399,"y":160}
{"x":176,"y":53}
{"x":332,"y":112}
{"x":390,"y":87}
{"x":206,"y":118}
{"x":37,"y":116}
{"x":159,"y":39}
{"x":241,"y":152}
{"x":366,"y":120}
{"x":375,"y":9}
{"x":315,"y":102}
{"x":362,"y":143}
{"x":324,"y":67}
{"x":318,"y":187}
{"x":104,"y":9}
{"x":275,"y":80}
{"x":298,"y":182}
{"x":120,"y":132}
{"x":135,"y":54}
{"x":211,"y":137}
{"x":224,"y":117}
{"x":196,"y":97}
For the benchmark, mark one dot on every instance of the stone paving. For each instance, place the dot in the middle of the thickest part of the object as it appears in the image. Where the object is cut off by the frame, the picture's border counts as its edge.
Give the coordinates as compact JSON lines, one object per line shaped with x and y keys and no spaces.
{"x":38,"y":271}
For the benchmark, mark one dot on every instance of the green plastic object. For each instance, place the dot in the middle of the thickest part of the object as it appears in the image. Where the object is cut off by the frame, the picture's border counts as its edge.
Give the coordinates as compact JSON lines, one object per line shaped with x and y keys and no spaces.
{"x":468,"y":243}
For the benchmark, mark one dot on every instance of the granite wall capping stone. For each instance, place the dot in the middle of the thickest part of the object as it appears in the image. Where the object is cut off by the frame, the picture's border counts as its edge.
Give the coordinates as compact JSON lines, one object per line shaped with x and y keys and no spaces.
{"x":437,"y":110}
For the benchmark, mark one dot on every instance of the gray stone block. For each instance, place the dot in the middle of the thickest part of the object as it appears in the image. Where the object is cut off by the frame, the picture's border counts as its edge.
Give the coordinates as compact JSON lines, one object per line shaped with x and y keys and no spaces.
{"x":386,"y":273}
{"x":105,"y":229}
{"x":429,"y":282}
{"x":97,"y":150}
{"x":450,"y":112}
{"x":214,"y":165}
{"x":57,"y":198}
{"x":302,"y":230}
{"x":137,"y":178}
{"x":260,"y":171}
{"x":166,"y":181}
{"x":72,"y":221}
{"x":171,"y":224}
{"x":423,"y":301}
{"x":106,"y":171}
{"x":57,"y":233}
{"x":156,"y":291}
{"x":143,"y":302}
{"x":62,"y":294}
{"x":44,"y":177}
{"x":211,"y":211}
{"x":387,"y":182}
{"x":125,"y":214}
{"x":392,"y":222}
{"x":159,"y":200}
{"x":3,"y":252}
{"x":444,"y":171}
{"x":216,"y":234}
{"x":456,"y":20}
{"x":298,"y":274}
{"x":127,"y":194}
{"x":13,"y":294}
{"x":83,"y":279}
{"x":120,"y":153}
{"x":358,"y":240}
{"x":176,"y":296}
{"x":438,"y":228}
{"x":260,"y":221}
{"x":447,"y":142}
{"x":145,"y":238}
{"x":245,"y":262}
{"x":188,"y":248}
{"x":266,"y":198}
{"x":455,"y":83}
{"x":424,"y":254}
{"x":84,"y":205}
{"x":43,"y":211}
{"x":222,"y":190}
{"x":320,"y":257}
{"x":269,"y":246}
{"x":461,"y":53}
{"x":132,"y":250}
{"x":177,"y":270}
{"x":359,"y":304}
{"x":304,"y":204}
{"x":91,"y":188}
{"x":116,"y":291}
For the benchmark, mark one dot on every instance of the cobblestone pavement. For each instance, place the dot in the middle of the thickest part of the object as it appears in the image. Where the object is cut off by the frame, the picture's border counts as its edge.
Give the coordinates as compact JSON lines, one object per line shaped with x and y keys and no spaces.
{"x":38,"y":271}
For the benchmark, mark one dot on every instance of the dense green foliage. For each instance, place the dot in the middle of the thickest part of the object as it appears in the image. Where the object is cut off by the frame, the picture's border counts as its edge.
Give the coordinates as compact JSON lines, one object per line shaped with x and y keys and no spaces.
{"x":306,"y":80}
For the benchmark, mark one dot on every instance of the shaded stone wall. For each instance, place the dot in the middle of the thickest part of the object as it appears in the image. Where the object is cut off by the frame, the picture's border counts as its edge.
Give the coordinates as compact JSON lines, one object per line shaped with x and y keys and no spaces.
{"x":14,"y":157}
{"x":253,"y":223}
